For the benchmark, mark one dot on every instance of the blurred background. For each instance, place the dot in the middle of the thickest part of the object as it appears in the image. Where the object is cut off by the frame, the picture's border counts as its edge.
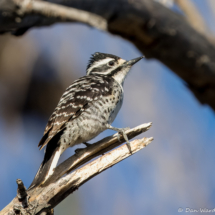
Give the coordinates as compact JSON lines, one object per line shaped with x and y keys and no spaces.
{"x":175,"y":171}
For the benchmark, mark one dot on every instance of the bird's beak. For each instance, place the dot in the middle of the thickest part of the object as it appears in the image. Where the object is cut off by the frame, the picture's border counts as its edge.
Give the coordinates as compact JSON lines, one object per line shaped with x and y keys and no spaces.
{"x":133,"y":61}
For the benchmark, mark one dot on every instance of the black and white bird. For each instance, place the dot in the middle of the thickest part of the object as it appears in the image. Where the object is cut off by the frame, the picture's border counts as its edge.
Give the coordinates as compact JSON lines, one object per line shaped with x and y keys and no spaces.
{"x":87,"y":108}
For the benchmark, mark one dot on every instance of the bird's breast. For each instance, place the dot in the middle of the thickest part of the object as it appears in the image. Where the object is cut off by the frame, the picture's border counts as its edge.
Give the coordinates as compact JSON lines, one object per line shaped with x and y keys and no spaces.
{"x":100,"y":111}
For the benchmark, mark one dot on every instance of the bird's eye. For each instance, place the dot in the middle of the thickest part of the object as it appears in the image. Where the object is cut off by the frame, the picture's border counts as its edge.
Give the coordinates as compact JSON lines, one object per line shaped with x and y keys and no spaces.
{"x":111,"y":63}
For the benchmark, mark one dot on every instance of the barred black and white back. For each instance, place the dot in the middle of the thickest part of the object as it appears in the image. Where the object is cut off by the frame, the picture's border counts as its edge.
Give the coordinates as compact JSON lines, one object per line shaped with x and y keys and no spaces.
{"x":87,"y":108}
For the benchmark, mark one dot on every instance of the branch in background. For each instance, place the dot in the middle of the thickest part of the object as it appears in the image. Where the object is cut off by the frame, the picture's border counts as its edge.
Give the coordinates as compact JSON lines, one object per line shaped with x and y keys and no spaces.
{"x":167,"y":3}
{"x":155,"y":30}
{"x":211,"y":6}
{"x":195,"y":19}
{"x":61,"y":13}
{"x":43,"y":199}
{"x":193,"y":16}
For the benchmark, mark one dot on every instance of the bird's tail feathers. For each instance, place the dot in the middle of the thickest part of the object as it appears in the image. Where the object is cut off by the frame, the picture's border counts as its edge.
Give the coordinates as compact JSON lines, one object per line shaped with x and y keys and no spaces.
{"x":46,"y":169}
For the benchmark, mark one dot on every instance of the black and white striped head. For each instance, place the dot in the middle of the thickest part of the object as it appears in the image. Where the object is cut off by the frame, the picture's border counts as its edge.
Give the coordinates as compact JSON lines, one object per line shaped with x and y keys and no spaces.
{"x":110,"y":65}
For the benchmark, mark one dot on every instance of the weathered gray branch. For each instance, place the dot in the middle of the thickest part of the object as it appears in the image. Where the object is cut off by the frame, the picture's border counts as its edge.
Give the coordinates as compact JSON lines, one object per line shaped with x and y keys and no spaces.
{"x":155,"y":30}
{"x":22,"y":193}
{"x":43,"y":199}
{"x":94,"y":150}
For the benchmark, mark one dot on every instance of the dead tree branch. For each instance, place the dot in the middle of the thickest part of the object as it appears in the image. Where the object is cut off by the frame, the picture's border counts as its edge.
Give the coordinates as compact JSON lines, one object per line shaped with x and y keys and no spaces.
{"x":43,"y":199}
{"x":93,"y":151}
{"x":155,"y":30}
{"x":22,"y":193}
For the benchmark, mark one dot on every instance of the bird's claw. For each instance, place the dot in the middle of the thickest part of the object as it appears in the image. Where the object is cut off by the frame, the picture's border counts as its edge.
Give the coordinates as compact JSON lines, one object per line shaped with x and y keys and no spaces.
{"x":118,"y":136}
{"x":122,"y":132}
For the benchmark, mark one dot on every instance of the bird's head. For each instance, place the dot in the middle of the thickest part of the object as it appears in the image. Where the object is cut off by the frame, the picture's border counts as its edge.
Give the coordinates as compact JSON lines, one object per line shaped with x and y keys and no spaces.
{"x":110,"y":65}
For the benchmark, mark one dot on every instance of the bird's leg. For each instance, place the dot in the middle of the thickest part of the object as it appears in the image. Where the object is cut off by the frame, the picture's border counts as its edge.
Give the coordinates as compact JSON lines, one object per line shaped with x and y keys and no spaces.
{"x":78,"y":150}
{"x":121,"y":131}
{"x":87,"y":144}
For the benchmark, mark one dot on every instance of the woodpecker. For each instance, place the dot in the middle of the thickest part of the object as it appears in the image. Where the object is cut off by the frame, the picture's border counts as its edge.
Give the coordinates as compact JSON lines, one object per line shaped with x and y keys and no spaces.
{"x":87,"y":108}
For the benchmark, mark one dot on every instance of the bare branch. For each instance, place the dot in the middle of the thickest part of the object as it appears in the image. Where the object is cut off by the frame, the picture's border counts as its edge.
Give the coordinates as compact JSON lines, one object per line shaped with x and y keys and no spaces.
{"x":61,"y":13}
{"x":56,"y":192}
{"x":22,"y":193}
{"x":44,"y":198}
{"x":93,"y":151}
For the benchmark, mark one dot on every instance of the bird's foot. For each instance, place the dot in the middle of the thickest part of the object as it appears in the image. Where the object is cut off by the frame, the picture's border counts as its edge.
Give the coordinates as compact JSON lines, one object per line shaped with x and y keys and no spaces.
{"x":121,"y":131}
{"x":79,"y":150}
{"x":87,"y":144}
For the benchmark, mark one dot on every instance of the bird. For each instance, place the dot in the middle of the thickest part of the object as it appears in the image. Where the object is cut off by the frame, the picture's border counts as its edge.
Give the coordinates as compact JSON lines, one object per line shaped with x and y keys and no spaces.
{"x":87,"y":108}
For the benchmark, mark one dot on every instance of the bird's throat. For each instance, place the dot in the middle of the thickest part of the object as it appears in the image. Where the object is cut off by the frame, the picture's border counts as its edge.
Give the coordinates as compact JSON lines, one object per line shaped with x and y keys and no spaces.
{"x":120,"y":75}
